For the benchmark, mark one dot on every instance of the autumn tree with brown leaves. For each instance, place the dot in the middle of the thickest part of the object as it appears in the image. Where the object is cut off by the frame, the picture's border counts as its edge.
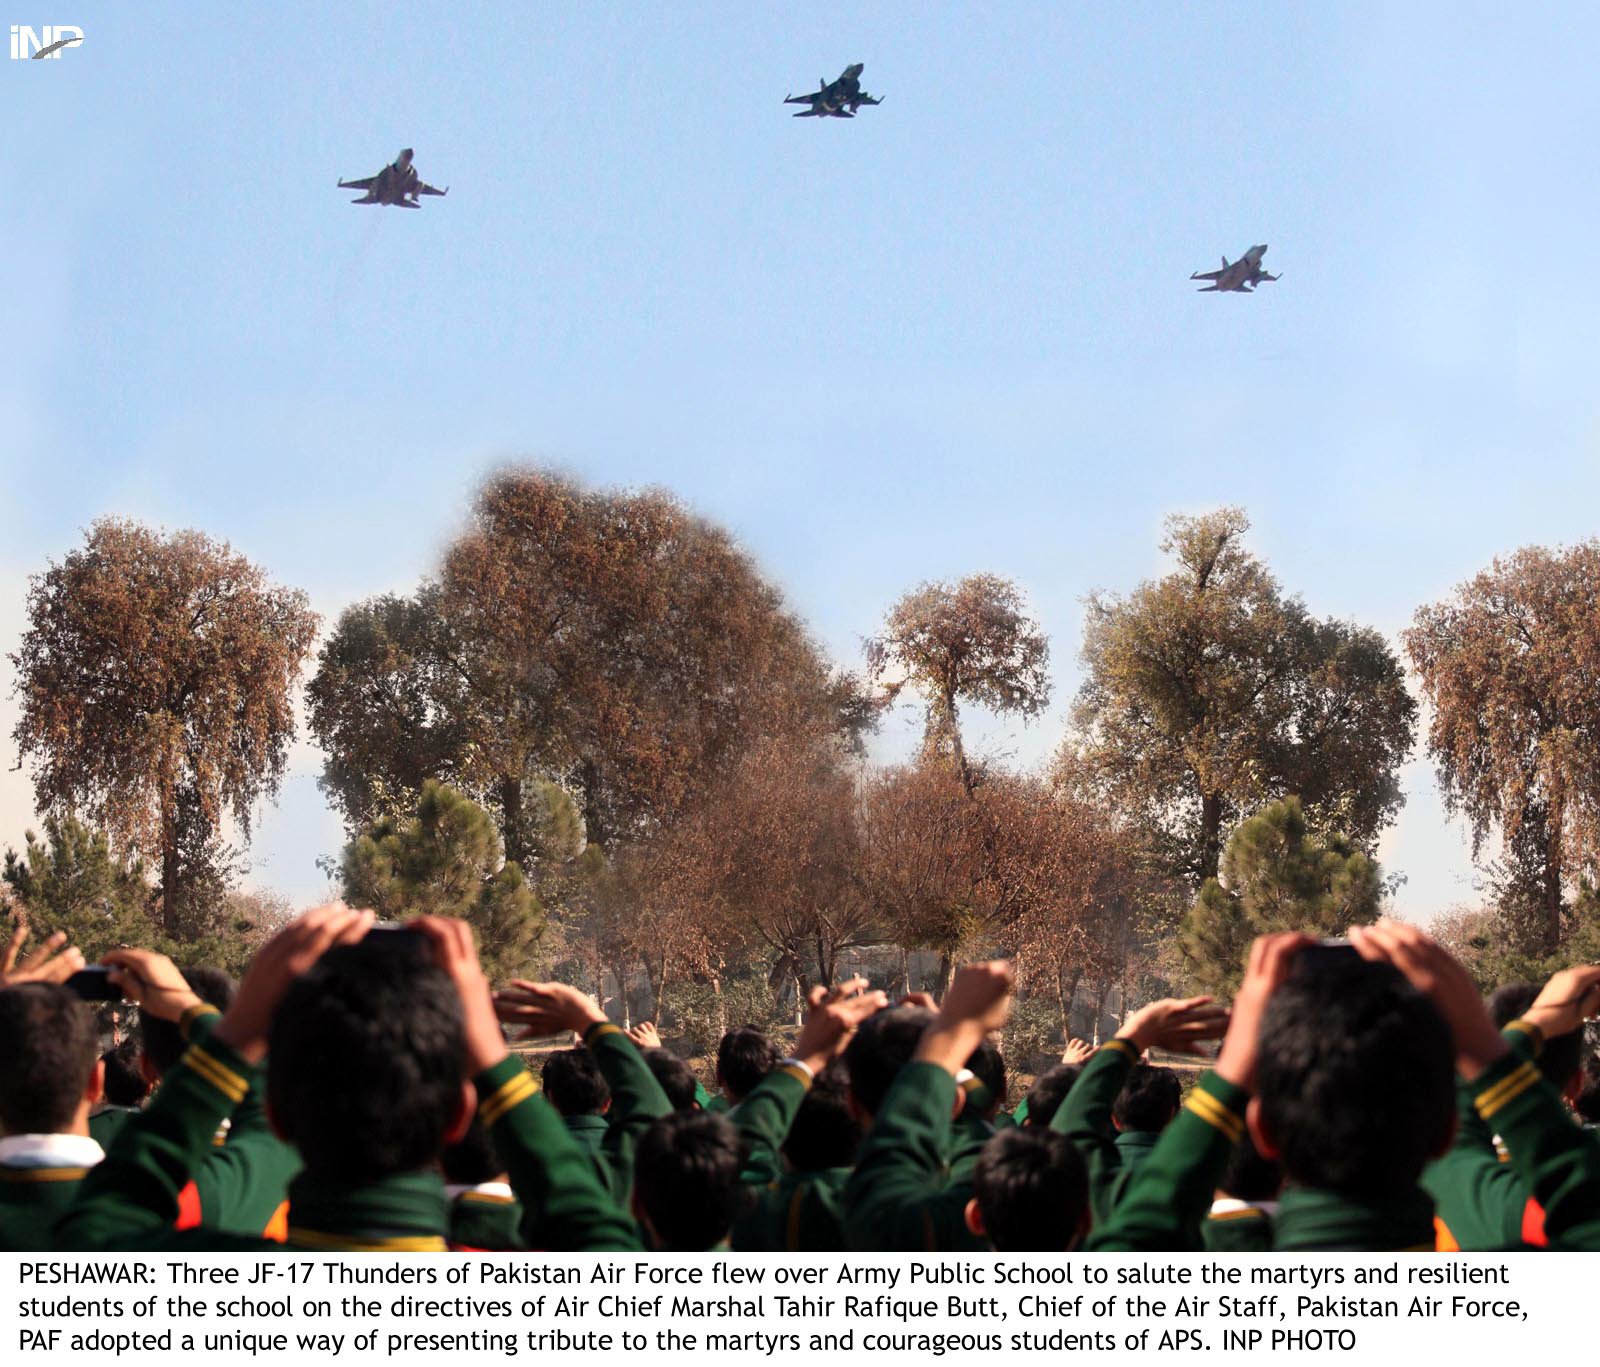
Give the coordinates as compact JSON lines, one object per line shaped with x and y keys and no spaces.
{"x":1510,"y":664}
{"x":157,"y":679}
{"x":1210,"y":693}
{"x":609,"y":641}
{"x":967,"y":642}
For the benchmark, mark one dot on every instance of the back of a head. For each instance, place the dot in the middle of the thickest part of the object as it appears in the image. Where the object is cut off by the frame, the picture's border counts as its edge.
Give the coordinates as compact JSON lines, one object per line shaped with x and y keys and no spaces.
{"x":124,"y":1083}
{"x":824,"y":1133}
{"x":879,"y":1049}
{"x":1049,"y":1090}
{"x":472,"y":1158}
{"x":674,"y":1075}
{"x":744,"y":1057}
{"x":48,"y":1051}
{"x":573,"y":1082}
{"x":1587,"y":1102}
{"x":162,"y":1041}
{"x":1032,"y":1191}
{"x":1148,"y":1099}
{"x":366,"y":1060}
{"x":1356,"y":1079}
{"x":988,"y":1065}
{"x":1249,"y":1176}
{"x":686,"y":1179}
{"x":1561,"y":1058}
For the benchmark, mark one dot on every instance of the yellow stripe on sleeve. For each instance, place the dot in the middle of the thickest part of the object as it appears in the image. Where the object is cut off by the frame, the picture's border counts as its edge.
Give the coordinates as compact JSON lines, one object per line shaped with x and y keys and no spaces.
{"x":223,"y":1078}
{"x":511,"y":1093}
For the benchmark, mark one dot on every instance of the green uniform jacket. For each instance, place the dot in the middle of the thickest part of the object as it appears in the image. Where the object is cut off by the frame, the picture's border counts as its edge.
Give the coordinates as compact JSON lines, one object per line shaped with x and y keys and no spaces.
{"x":901,"y":1196}
{"x":1247,"y":1229}
{"x":637,"y":1102}
{"x":103,"y":1125}
{"x":31,"y":1201}
{"x":130,"y":1200}
{"x":789,"y":1211}
{"x":485,"y":1221}
{"x":1085,"y":1118}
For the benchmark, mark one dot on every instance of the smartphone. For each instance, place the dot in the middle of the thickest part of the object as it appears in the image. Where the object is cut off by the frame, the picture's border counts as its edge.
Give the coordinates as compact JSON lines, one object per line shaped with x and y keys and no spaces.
{"x":1326,"y":954}
{"x":93,"y":984}
{"x":394,"y":938}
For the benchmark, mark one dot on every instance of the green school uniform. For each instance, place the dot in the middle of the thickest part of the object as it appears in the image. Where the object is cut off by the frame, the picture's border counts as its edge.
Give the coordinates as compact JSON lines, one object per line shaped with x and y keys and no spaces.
{"x":637,"y":1101}
{"x":1237,"y":1227}
{"x":1085,"y":1118}
{"x":485,"y":1218}
{"x":129,"y":1201}
{"x":104,"y":1124}
{"x":903,"y":1195}
{"x":38,"y":1181}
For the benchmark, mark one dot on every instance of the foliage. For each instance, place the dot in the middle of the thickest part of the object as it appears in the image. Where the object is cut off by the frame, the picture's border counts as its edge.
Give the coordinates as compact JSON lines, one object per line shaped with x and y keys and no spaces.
{"x":703,"y":1011}
{"x":1509,"y":664}
{"x":1209,"y":692}
{"x":447,"y":861}
{"x":1276,"y":875}
{"x":157,"y":677}
{"x":963,"y":642}
{"x":70,"y":881}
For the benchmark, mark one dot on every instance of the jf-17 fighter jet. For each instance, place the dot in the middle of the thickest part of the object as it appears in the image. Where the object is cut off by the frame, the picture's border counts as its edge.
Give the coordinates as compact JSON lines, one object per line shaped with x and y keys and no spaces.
{"x":1241,"y":277}
{"x":398,"y":183}
{"x":837,"y":99}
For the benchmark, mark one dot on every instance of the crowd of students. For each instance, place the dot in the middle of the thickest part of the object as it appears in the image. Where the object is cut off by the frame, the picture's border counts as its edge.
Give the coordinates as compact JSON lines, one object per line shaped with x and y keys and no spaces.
{"x":356,"y":1090}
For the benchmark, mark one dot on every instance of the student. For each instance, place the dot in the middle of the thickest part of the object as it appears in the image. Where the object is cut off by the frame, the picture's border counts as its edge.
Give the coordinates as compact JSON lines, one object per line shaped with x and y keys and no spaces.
{"x":675,"y":1078}
{"x":1119,"y":1105}
{"x":800,"y":1134}
{"x":124,"y":1091}
{"x":687,"y":1189}
{"x":1045,"y":1096}
{"x":380,"y":1045}
{"x":242,"y":1185}
{"x":1030,"y":1192}
{"x":635,"y":1097}
{"x":51,"y":1077}
{"x":901,"y":1195}
{"x":1240,"y":1219}
{"x":485,"y":1215}
{"x":744,"y":1057}
{"x":572,"y":1081}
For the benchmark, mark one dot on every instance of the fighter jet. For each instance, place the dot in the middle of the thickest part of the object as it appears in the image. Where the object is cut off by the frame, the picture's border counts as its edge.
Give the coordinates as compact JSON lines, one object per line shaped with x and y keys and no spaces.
{"x":836,"y":99}
{"x":398,"y":183}
{"x":1241,"y":277}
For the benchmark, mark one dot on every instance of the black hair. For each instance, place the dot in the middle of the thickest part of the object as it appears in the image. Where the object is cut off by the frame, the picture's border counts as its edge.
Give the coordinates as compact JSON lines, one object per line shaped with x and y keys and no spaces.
{"x":1249,"y":1176}
{"x":1562,"y":1055}
{"x":1587,"y":1104}
{"x":1049,"y":1090}
{"x":1356,"y":1080}
{"x":674,"y":1075}
{"x":988,"y":1065}
{"x":48,"y":1050}
{"x":686,"y":1179}
{"x":573,"y":1083}
{"x":1032,"y":1190}
{"x":744,"y":1057}
{"x":472,"y":1158}
{"x":125,"y":1084}
{"x":879,"y":1049}
{"x":824,"y":1133}
{"x":1148,"y":1099}
{"x":366,"y":1060}
{"x":162,"y":1041}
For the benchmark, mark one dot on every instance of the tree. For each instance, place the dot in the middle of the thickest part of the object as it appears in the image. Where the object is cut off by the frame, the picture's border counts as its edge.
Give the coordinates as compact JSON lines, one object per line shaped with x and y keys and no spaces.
{"x":71,"y":881}
{"x":609,"y":642}
{"x":1510,"y":664}
{"x":1208,"y":692}
{"x":447,"y":861}
{"x":959,"y":643}
{"x":157,"y":679}
{"x":1276,"y":875}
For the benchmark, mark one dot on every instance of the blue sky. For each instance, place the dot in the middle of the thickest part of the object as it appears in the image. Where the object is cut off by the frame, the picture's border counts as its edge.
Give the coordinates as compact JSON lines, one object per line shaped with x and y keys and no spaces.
{"x":955,"y":334}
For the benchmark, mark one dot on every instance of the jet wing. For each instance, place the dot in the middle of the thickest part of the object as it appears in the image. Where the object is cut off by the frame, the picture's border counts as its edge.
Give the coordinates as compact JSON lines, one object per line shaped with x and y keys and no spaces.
{"x":802,"y":99}
{"x":1208,"y":275}
{"x":357,"y":184}
{"x":424,"y":189}
{"x":867,"y":99}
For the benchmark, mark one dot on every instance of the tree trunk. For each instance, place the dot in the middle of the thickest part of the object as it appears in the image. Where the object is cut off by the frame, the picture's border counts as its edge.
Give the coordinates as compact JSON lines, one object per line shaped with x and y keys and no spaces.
{"x":947,"y":969}
{"x":827,"y":961}
{"x":1210,"y":836}
{"x":1550,"y":930}
{"x":722,"y":1005}
{"x":1066,"y":991}
{"x":1099,"y":1010}
{"x":509,"y":795}
{"x":620,"y":973}
{"x":905,"y":971}
{"x":169,"y":868}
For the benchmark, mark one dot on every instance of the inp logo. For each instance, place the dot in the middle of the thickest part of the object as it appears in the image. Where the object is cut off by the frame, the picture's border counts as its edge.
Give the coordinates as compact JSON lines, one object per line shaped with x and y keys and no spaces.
{"x":47,"y":42}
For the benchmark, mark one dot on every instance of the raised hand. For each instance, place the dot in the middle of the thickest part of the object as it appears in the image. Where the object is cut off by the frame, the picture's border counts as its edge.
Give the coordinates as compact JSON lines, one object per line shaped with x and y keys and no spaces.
{"x":645,"y":1035}
{"x":52,"y":962}
{"x":1271,"y":958}
{"x":456,"y":953}
{"x":1180,"y":1024}
{"x":152,"y":980}
{"x":1571,"y":997}
{"x":1077,"y":1052}
{"x":978,"y":1002}
{"x":834,"y":1015}
{"x":544,"y":1009}
{"x":1432,"y":970}
{"x":285,"y":957}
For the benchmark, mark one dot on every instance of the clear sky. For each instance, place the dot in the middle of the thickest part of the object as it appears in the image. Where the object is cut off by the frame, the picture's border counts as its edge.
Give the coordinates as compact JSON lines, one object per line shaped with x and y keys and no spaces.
{"x":955,"y":334}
